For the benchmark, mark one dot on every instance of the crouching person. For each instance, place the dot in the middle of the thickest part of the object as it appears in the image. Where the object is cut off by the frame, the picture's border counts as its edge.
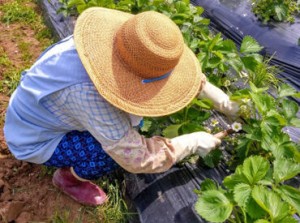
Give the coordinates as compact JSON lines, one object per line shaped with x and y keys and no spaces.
{"x":76,"y":107}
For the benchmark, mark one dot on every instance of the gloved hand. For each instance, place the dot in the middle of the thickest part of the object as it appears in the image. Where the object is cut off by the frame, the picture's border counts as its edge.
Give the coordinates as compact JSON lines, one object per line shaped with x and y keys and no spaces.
{"x":194,"y":143}
{"x":221,"y":101}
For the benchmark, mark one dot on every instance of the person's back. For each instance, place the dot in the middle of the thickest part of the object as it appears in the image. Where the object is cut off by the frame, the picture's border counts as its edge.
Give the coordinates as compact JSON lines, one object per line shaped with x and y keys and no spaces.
{"x":32,"y":132}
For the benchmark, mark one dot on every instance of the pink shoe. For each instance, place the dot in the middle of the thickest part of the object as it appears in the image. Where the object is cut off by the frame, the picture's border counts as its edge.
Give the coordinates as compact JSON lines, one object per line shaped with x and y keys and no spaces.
{"x":84,"y":192}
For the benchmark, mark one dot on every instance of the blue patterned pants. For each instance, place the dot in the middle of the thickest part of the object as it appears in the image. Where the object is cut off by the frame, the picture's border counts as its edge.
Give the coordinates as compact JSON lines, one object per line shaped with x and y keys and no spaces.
{"x":84,"y":153}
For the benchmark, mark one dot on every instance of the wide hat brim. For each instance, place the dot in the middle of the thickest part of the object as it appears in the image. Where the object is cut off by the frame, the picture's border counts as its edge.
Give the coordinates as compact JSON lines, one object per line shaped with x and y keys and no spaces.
{"x":94,"y":36}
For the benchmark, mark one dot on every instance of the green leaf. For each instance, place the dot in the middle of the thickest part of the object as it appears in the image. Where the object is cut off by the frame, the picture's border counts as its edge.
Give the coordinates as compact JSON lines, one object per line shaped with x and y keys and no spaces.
{"x":141,"y":2}
{"x":190,"y":127}
{"x":250,"y":45}
{"x":203,"y":103}
{"x":208,"y":184}
{"x":257,"y":90}
{"x":193,"y":113}
{"x":228,"y":46}
{"x":240,"y":94}
{"x":254,"y":132}
{"x":72,"y":3}
{"x":236,"y":64}
{"x":243,"y":148}
{"x":282,"y":150}
{"x":232,"y":180}
{"x":213,"y":206}
{"x":295,"y":122}
{"x":280,"y":119}
{"x":287,"y":219}
{"x":250,"y":63}
{"x":261,"y":221}
{"x":213,"y":62}
{"x":259,"y":58}
{"x":201,"y":56}
{"x":146,"y":125}
{"x":297,"y":95}
{"x":269,"y":125}
{"x":285,"y":169}
{"x":254,"y":210}
{"x":241,"y":194}
{"x":219,"y":54}
{"x":263,"y":102}
{"x":214,"y":42}
{"x":171,"y":131}
{"x":179,"y":18}
{"x":285,"y":90}
{"x":200,"y":9}
{"x":81,"y":8}
{"x":270,"y":202}
{"x":281,"y":12}
{"x":255,"y":168}
{"x":194,"y":44}
{"x":290,"y":108}
{"x":290,"y":195}
{"x":213,"y":158}
{"x":181,"y":7}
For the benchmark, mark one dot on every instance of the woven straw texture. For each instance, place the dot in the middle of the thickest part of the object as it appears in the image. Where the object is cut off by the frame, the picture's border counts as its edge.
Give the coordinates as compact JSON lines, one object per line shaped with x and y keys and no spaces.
{"x":120,"y":50}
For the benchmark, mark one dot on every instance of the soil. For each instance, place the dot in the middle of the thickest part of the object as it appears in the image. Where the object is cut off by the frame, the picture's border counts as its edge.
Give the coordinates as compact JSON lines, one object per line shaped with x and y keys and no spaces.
{"x":26,"y":191}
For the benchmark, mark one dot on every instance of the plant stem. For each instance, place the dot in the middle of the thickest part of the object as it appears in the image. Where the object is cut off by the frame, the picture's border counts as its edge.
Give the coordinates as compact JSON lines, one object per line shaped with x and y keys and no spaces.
{"x":236,"y":214}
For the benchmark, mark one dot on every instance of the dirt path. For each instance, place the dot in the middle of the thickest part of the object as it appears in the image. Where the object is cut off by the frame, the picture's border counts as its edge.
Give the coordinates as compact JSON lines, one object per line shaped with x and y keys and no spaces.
{"x":26,"y":192}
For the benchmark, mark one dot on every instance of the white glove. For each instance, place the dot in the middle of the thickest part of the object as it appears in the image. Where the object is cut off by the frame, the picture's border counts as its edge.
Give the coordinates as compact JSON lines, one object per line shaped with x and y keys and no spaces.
{"x":221,"y":101}
{"x":194,"y":143}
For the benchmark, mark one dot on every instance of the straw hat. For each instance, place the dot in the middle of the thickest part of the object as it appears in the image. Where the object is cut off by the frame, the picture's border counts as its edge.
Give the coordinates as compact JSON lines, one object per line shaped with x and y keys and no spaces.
{"x":139,"y":63}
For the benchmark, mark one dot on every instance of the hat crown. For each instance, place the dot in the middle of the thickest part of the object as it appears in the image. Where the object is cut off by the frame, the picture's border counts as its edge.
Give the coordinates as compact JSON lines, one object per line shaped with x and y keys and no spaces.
{"x":150,"y":44}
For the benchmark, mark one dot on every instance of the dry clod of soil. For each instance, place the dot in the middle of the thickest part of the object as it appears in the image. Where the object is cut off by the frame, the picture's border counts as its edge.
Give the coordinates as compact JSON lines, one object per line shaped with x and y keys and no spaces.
{"x":11,"y":210}
{"x":24,"y":217}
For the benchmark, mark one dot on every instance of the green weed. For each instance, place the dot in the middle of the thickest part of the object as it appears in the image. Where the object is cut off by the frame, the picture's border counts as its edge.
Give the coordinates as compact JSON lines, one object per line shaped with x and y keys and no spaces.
{"x":17,"y":12}
{"x":4,"y":60}
{"x":116,"y":209}
{"x":47,"y":171}
{"x":264,"y":75}
{"x":24,"y":13}
{"x":26,"y":55}
{"x":11,"y":78}
{"x":64,"y":216}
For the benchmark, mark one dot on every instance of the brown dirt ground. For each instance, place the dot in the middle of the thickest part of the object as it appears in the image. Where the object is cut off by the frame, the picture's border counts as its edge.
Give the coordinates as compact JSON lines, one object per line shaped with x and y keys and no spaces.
{"x":26,"y":192}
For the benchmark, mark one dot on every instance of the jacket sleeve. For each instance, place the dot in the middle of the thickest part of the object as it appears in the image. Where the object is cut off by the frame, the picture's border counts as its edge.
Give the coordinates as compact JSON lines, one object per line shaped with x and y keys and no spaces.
{"x":138,"y":154}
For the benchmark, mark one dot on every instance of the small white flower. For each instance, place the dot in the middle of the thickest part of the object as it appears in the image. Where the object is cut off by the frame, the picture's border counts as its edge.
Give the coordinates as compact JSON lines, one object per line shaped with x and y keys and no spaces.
{"x":244,"y":74}
{"x":246,"y":100}
{"x":236,"y":126}
{"x":227,"y":83}
{"x":214,"y":122}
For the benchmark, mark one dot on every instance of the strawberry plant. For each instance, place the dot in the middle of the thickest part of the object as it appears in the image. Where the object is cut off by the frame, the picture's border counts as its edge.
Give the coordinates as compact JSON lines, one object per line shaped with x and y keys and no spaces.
{"x":264,"y":160}
{"x":255,"y":192}
{"x":278,"y":10}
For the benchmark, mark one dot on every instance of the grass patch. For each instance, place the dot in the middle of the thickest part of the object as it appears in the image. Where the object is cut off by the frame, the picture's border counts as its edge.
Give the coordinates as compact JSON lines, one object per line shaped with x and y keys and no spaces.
{"x":10,"y":81}
{"x":47,"y":171}
{"x":27,"y":15}
{"x":24,"y":48}
{"x":4,"y":60}
{"x":64,"y":216}
{"x":16,"y":12}
{"x":116,"y":209}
